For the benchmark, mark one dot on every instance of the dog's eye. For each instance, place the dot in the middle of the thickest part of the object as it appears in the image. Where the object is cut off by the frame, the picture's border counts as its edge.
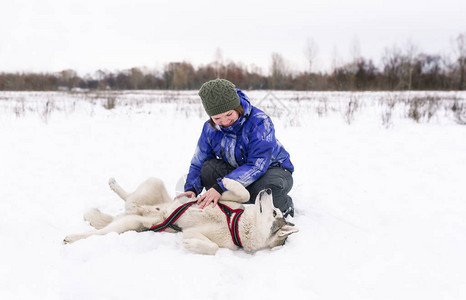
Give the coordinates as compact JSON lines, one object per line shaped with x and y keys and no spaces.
{"x":274,"y":214}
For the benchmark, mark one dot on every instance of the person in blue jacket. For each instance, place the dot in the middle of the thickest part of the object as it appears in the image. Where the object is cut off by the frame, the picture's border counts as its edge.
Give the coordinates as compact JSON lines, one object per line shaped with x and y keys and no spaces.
{"x":238,"y":142}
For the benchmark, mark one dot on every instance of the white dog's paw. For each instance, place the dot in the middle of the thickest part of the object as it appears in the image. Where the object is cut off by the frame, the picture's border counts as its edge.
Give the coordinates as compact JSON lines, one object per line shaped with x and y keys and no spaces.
{"x":71,"y":238}
{"x":112,"y":183}
{"x":117,"y":188}
{"x":200,"y":246}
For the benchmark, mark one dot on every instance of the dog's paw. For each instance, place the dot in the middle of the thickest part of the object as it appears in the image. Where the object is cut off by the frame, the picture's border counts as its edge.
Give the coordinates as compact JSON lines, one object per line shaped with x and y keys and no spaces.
{"x":71,"y":238}
{"x":200,"y":246}
{"x":112,"y":183}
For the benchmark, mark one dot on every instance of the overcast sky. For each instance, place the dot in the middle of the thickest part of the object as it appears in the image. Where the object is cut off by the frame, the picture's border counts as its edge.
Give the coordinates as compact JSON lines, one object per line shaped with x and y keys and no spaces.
{"x":87,"y":35}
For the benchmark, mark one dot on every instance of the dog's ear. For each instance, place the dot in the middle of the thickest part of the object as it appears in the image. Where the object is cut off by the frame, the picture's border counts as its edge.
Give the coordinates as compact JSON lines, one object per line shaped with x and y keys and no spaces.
{"x":287,"y":230}
{"x":282,"y":234}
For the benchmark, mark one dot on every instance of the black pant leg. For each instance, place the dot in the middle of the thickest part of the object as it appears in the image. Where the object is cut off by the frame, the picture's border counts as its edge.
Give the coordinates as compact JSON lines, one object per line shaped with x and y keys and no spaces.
{"x":212,"y":170}
{"x":280,"y":181}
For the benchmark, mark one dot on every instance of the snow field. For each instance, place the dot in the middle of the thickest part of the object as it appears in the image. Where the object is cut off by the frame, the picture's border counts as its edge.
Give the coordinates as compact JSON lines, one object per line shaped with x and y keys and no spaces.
{"x":380,"y":207}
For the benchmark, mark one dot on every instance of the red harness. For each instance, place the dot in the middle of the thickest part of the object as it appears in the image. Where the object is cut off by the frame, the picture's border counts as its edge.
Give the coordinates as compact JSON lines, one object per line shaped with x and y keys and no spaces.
{"x":232,"y":215}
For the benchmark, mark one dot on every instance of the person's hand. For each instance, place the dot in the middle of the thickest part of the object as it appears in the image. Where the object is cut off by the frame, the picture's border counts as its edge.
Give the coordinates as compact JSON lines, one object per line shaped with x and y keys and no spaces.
{"x":189,"y":194}
{"x":208,"y":197}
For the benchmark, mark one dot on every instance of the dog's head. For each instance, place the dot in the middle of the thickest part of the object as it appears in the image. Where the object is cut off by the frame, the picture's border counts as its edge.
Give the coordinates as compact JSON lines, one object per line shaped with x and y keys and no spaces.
{"x":270,"y":222}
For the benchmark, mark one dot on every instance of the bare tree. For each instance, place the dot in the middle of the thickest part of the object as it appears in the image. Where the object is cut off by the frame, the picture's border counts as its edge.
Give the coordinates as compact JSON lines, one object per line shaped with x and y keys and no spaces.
{"x":218,"y":63}
{"x":460,"y":50}
{"x":410,"y":57}
{"x":278,"y":70}
{"x":136,"y":78}
{"x":353,"y":66}
{"x":393,"y":66}
{"x":336,"y":60}
{"x":179,"y":75}
{"x":310,"y":52}
{"x":69,"y":78}
{"x":355,"y":49}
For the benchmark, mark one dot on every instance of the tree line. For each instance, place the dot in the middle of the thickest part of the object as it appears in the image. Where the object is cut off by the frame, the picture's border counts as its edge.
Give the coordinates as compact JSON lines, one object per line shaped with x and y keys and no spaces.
{"x":399,"y":69}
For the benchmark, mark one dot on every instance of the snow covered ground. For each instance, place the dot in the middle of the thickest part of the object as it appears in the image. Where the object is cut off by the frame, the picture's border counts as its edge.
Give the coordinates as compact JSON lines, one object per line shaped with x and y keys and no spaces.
{"x":379,"y":195}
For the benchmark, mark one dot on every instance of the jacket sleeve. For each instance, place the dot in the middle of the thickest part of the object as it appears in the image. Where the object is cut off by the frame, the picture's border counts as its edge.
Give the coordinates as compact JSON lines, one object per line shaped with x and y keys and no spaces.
{"x":202,"y":153}
{"x":260,"y":149}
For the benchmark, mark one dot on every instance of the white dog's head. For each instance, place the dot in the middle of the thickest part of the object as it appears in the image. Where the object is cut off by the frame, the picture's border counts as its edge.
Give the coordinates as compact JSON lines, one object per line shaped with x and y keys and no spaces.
{"x":272,"y":228}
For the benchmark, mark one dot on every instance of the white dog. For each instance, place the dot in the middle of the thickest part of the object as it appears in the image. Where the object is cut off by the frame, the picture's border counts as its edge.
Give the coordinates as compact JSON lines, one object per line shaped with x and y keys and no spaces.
{"x":205,"y":230}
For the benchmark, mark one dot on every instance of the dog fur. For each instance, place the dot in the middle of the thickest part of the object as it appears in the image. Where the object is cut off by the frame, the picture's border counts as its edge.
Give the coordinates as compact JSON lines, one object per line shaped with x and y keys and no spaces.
{"x":204,"y":230}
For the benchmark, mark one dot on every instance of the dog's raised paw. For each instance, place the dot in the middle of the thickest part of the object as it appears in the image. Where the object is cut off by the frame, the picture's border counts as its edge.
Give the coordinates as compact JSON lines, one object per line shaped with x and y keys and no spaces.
{"x":71,"y":239}
{"x":112,"y":182}
{"x":117,"y":188}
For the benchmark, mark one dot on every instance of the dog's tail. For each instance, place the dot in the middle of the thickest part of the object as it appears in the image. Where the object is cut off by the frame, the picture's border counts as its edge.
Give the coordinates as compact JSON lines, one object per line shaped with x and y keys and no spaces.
{"x":97,"y":219}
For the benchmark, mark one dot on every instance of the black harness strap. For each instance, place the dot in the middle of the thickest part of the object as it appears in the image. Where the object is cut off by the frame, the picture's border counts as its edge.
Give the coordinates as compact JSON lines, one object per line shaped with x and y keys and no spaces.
{"x":232,"y":223}
{"x":169,"y":222}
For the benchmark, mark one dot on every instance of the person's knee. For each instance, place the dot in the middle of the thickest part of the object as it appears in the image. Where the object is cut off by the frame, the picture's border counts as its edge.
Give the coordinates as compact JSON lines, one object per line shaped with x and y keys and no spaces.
{"x":208,"y":166}
{"x":213,"y":169}
{"x":280,"y":186}
{"x":207,"y":173}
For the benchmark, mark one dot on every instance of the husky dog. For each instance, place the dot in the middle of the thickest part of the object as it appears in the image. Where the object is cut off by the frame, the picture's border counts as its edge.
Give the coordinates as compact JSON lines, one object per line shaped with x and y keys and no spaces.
{"x":204,"y":230}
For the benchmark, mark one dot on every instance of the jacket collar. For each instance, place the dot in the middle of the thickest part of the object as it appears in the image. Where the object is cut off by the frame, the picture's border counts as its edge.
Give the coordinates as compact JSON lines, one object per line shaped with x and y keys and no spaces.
{"x":236,"y":127}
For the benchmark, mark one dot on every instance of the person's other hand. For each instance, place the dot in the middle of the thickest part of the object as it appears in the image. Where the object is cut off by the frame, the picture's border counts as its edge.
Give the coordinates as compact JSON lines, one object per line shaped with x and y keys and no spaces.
{"x":208,"y":197}
{"x":189,"y":194}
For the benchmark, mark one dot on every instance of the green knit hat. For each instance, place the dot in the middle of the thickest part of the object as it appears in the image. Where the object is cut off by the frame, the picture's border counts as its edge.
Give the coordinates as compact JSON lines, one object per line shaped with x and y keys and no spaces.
{"x":218,"y":96}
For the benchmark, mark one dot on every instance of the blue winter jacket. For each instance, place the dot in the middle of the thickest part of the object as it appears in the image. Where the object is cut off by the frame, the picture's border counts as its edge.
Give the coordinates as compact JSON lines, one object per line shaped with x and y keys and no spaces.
{"x":249,"y":145}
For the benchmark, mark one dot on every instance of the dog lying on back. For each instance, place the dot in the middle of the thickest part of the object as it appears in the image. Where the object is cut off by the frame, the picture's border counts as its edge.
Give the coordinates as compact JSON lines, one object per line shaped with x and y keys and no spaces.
{"x":204,"y":230}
